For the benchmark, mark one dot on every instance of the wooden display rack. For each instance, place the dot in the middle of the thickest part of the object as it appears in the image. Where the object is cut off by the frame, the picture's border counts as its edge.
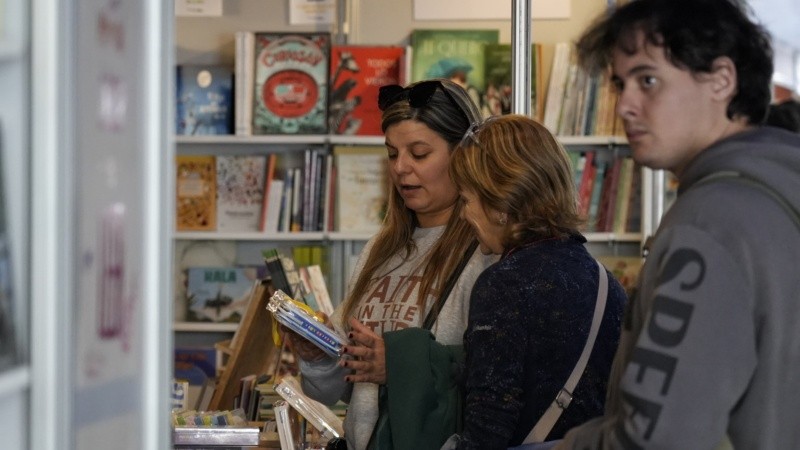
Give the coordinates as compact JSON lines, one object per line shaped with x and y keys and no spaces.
{"x":250,"y":351}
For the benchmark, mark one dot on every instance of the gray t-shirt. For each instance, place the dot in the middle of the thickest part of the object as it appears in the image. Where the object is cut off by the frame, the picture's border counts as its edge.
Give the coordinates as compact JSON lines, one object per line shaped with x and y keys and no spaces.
{"x":391,"y":304}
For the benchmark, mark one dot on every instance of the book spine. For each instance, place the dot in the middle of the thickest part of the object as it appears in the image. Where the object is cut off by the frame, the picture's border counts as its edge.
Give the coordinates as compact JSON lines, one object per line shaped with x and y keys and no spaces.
{"x":244,"y":83}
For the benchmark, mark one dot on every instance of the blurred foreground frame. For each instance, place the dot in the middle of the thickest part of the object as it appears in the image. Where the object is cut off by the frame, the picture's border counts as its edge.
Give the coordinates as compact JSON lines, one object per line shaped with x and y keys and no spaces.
{"x":9,"y":351}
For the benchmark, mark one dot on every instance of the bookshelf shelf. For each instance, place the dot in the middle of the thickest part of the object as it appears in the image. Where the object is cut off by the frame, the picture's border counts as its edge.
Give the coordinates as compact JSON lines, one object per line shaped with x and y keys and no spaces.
{"x":347,"y":236}
{"x":205,"y":327}
{"x":592,"y":140}
{"x":272,"y":237}
{"x":227,"y":139}
{"x":249,"y":236}
{"x":277,"y":139}
{"x":356,"y":140}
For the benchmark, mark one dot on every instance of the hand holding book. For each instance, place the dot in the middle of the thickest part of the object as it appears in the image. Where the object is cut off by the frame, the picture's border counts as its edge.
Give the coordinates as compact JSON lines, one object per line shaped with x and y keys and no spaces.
{"x":301,"y":346}
{"x":300,"y":319}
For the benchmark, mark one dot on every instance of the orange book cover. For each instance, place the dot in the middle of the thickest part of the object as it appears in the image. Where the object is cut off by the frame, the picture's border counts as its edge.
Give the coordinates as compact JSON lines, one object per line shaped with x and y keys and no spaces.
{"x":196,"y":187}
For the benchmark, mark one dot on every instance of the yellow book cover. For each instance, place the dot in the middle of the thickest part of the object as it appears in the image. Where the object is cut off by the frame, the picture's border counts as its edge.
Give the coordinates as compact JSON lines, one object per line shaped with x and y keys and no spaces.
{"x":196,"y":187}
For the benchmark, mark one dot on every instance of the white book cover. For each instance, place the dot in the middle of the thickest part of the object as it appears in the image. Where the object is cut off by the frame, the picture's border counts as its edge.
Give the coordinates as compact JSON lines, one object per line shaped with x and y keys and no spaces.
{"x":240,"y":192}
{"x":319,"y":288}
{"x":244,"y":67}
{"x":361,"y":188}
{"x":318,"y":415}
{"x":558,"y":83}
{"x":274,"y":206}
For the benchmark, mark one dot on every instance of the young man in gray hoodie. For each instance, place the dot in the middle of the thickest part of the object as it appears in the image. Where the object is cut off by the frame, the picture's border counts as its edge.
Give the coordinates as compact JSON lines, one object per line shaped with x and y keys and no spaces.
{"x":710,"y":349}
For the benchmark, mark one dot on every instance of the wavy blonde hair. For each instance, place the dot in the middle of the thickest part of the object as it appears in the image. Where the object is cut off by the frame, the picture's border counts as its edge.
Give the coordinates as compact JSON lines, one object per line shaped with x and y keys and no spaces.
{"x":515,"y":165}
{"x":450,"y":116}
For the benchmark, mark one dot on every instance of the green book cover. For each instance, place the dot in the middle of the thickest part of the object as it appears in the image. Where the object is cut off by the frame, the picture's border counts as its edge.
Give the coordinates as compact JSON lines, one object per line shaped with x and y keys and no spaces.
{"x":497,"y":70}
{"x":454,"y":54}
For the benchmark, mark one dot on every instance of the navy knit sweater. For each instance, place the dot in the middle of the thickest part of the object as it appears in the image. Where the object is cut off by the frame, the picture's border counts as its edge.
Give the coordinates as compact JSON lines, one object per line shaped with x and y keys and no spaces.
{"x":529,"y":319}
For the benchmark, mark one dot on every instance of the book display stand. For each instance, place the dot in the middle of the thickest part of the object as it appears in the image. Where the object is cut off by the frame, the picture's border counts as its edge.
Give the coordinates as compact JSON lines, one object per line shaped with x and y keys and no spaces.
{"x":251,"y":350}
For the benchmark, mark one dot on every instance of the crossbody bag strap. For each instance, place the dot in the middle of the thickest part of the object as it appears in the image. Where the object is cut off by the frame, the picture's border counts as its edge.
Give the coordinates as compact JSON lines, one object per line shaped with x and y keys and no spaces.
{"x":542,"y":427}
{"x":430,"y":319}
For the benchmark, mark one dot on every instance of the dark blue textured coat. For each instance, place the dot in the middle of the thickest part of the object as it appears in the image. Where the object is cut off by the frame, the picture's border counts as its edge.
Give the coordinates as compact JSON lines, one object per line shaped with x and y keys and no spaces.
{"x":529,"y":319}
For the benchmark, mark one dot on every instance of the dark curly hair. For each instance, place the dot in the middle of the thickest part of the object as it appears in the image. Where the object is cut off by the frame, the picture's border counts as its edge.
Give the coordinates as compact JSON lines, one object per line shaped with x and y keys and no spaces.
{"x":693,"y":34}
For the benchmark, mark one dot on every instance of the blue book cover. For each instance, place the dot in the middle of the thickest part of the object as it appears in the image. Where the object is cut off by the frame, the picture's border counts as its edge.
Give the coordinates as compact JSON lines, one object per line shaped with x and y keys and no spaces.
{"x":195,"y":364}
{"x":220,"y":294}
{"x":204,"y":100}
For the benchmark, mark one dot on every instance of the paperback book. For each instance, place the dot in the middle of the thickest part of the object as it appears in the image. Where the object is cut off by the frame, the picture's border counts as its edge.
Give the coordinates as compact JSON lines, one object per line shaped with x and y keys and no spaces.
{"x":362,"y":188}
{"x":196,"y":187}
{"x":291,"y":83}
{"x":240,"y":192}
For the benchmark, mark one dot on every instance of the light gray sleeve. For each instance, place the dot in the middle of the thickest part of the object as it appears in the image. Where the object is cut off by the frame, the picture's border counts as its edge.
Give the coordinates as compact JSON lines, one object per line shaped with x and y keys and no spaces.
{"x":324,"y":381}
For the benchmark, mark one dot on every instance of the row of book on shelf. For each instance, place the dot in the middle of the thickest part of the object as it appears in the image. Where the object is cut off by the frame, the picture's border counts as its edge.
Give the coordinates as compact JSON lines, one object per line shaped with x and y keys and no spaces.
{"x":347,"y":190}
{"x":609,"y":191}
{"x":301,"y":83}
{"x":342,"y":190}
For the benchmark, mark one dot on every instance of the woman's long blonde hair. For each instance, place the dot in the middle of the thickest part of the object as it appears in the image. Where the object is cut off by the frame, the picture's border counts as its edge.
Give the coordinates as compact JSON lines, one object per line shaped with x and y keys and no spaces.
{"x":449,"y":115}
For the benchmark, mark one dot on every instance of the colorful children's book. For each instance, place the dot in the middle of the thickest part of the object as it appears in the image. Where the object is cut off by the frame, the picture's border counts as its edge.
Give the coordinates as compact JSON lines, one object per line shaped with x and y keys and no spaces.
{"x":291,"y":83}
{"x":357,"y":73}
{"x":196,"y":187}
{"x":240,"y":192}
{"x":204,"y":100}
{"x":220,"y":294}
{"x":457,"y":55}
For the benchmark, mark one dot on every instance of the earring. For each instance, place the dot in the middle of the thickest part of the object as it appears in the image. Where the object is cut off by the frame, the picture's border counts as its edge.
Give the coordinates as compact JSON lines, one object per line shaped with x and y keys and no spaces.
{"x":502,"y":218}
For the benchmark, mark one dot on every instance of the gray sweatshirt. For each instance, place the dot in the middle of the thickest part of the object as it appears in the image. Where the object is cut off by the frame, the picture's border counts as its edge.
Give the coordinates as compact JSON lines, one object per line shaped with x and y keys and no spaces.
{"x":391,"y":304}
{"x":711,"y":345}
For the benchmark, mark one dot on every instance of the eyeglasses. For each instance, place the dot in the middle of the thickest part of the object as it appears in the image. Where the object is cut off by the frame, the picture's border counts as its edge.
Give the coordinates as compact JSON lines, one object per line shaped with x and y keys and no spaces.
{"x":418,"y":95}
{"x":471,"y":135}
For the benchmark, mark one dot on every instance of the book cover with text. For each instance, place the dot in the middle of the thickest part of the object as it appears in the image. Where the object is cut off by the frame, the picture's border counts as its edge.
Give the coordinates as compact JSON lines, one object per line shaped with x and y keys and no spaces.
{"x":457,"y":55}
{"x":357,"y":73}
{"x":291,"y":83}
{"x":219,"y":294}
